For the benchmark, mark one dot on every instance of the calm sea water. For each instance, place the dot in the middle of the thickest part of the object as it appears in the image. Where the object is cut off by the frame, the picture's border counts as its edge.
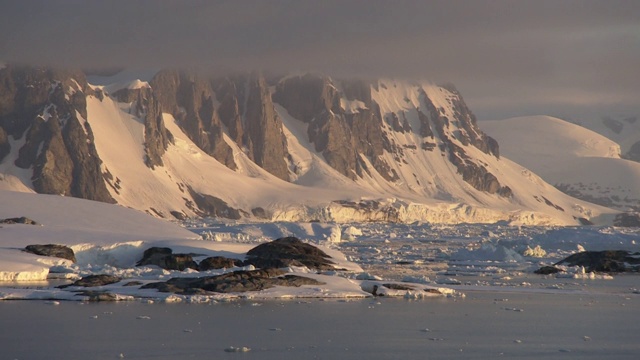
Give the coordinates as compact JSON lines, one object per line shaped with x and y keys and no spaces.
{"x":484,"y":325}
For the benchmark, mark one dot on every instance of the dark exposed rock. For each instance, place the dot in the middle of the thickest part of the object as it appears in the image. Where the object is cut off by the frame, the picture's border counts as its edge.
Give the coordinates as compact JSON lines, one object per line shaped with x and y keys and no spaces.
{"x":288,"y":251}
{"x":584,"y":221}
{"x":94,"y":281}
{"x":54,"y":250}
{"x":263,"y":130}
{"x":156,"y":137}
{"x":5,"y":147}
{"x":627,"y":219}
{"x":237,"y":281}
{"x":547,"y":270}
{"x":633,"y":153}
{"x":395,"y":286}
{"x":218,"y":262}
{"x":475,"y":175}
{"x":342,"y":136}
{"x":259,"y":213}
{"x":178,"y":215}
{"x":209,"y":205}
{"x":190,"y":99}
{"x":49,"y":106}
{"x":18,"y":220}
{"x":230,"y":93}
{"x":610,"y":261}
{"x":132,"y":283}
{"x":165,"y":258}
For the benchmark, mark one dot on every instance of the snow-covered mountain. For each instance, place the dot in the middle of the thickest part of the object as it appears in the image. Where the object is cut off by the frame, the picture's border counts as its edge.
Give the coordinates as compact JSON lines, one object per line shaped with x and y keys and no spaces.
{"x":299,"y":147}
{"x":580,"y":162}
{"x":624,"y":130}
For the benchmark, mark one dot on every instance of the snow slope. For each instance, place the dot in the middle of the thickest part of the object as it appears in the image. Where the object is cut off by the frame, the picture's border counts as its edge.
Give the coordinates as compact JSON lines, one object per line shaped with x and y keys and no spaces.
{"x":164,"y":189}
{"x":623,"y":130}
{"x":581,"y":162}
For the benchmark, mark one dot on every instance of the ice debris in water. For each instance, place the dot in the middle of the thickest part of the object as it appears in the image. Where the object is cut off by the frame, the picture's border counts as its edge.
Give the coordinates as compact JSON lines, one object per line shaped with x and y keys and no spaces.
{"x":536,"y":251}
{"x":367,"y":276}
{"x":237,"y":349}
{"x":351,"y":233}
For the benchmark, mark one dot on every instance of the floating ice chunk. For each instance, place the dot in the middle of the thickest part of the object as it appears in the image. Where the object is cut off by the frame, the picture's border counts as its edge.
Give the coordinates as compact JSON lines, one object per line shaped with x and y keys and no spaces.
{"x":537,"y":251}
{"x":351,"y":233}
{"x":420,"y":279}
{"x":488,"y":252}
{"x":237,"y":349}
{"x":143,"y":317}
{"x":448,"y":281}
{"x":367,"y":276}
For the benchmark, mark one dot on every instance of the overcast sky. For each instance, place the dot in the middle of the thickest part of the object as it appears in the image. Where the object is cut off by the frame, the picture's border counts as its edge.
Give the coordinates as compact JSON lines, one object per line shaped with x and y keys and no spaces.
{"x":508,"y":58}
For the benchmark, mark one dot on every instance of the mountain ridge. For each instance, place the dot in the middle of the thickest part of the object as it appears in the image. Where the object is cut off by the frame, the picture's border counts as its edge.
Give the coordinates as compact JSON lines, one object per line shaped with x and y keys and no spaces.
{"x":299,"y":147}
{"x":565,"y":154}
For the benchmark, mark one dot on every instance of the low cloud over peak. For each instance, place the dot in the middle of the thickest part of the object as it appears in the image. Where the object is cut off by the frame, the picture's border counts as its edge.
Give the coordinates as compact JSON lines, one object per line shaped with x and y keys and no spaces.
{"x":502,"y":55}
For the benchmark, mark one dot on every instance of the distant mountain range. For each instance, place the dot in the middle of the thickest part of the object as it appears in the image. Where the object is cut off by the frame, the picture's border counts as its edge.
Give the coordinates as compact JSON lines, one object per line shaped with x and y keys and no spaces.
{"x":301,"y":147}
{"x":580,"y":162}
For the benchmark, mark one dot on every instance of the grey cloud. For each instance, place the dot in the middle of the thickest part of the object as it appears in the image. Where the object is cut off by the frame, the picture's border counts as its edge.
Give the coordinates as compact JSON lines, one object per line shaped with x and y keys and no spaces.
{"x":502,"y":55}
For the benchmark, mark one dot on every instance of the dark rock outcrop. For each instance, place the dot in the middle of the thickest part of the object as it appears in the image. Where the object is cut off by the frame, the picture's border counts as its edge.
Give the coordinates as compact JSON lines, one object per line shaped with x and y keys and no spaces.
{"x":237,"y":281}
{"x":94,"y":281}
{"x":156,"y":137}
{"x":18,"y":220}
{"x":547,"y":270}
{"x":474,"y":174}
{"x":54,"y":250}
{"x":48,"y":108}
{"x":218,"y":262}
{"x":165,"y":258}
{"x":5,"y":147}
{"x":190,"y":99}
{"x":633,"y":153}
{"x":343,"y":136}
{"x":263,"y":130}
{"x":208,"y":205}
{"x":608,"y":261}
{"x":288,"y":251}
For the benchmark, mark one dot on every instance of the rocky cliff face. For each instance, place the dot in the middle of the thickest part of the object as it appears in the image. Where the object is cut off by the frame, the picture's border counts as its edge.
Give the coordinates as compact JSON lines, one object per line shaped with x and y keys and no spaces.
{"x":465,"y":130}
{"x":264,"y":138}
{"x":44,"y":111}
{"x":393,"y":140}
{"x":343,"y":125}
{"x":145,"y":105}
{"x":190,"y":99}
